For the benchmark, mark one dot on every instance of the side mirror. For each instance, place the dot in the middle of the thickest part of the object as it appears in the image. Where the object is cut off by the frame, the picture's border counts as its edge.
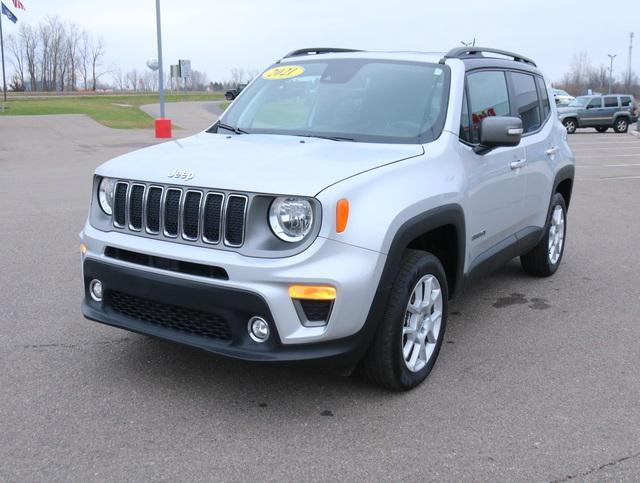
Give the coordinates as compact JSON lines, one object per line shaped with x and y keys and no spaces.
{"x":499,"y":131}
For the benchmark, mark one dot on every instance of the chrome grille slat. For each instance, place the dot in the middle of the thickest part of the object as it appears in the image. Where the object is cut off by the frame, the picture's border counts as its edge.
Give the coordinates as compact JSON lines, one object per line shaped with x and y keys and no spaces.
{"x":120,"y":205}
{"x":212,"y":212}
{"x":234,"y":220}
{"x":153,"y":209}
{"x":136,"y":206}
{"x":194,"y":216}
{"x":172,"y":209}
{"x":190,"y":215}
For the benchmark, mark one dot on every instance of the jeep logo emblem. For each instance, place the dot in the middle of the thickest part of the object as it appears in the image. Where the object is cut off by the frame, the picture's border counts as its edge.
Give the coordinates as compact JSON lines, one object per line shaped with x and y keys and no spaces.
{"x":180,"y":174}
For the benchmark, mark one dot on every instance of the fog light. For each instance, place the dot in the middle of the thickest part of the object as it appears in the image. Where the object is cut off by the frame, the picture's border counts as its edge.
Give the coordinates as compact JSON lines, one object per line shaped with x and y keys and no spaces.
{"x":258,"y":329}
{"x":95,"y":289}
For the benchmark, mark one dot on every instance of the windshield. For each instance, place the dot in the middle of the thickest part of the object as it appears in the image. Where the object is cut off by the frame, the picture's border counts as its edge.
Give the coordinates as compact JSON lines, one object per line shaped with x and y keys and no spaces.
{"x":579,"y":101}
{"x":346,"y":99}
{"x":560,"y":92}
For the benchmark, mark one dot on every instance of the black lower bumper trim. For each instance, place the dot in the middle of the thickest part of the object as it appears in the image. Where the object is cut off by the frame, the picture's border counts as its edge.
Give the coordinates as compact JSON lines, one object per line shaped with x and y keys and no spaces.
{"x":233,"y":306}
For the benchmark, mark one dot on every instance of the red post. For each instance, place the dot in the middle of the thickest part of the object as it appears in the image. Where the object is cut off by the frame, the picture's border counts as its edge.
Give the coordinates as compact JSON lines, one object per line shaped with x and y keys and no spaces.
{"x":163,"y":128}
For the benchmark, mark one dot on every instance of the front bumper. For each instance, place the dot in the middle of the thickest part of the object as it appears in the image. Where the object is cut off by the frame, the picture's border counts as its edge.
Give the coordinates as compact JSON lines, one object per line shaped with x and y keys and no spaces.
{"x":234,"y":306}
{"x":255,"y":287}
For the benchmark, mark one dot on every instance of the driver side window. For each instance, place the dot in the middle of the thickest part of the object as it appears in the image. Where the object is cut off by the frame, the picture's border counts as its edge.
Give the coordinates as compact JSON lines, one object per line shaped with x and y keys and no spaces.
{"x":488,"y":96}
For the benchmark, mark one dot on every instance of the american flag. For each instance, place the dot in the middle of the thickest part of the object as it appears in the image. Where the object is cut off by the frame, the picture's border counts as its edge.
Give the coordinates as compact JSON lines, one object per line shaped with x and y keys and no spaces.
{"x":18,"y":4}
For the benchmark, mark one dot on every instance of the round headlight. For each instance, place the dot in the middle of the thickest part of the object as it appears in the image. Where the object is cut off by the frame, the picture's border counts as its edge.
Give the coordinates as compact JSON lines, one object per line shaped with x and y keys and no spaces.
{"x":291,"y":218}
{"x":106,"y":191}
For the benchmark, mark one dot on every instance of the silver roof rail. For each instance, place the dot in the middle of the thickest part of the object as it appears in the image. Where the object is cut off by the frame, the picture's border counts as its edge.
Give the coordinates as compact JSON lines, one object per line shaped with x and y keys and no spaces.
{"x":475,"y":52}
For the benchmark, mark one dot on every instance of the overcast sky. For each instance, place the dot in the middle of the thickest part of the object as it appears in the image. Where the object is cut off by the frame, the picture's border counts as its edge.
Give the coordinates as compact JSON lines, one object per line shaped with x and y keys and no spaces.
{"x":220,"y":34}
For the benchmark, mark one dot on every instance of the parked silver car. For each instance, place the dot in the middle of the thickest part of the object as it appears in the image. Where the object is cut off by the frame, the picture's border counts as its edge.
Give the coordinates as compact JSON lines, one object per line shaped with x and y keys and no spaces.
{"x":599,"y":111}
{"x":334,"y":210}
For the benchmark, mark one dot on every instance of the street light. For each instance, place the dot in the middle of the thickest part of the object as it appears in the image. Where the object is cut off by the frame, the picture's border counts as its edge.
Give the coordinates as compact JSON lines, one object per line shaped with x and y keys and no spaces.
{"x":611,"y":56}
{"x":163,"y":126}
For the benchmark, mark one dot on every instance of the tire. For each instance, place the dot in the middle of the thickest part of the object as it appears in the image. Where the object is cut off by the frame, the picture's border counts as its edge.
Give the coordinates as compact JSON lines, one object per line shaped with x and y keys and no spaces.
{"x":602,"y":129}
{"x":541,"y":261}
{"x":384,"y":363}
{"x":570,"y":125}
{"x":228,"y":96}
{"x":621,"y":125}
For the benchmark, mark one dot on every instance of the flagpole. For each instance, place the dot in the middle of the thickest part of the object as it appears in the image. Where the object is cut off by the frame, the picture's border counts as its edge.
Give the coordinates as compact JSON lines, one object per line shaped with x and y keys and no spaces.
{"x":4,"y":76}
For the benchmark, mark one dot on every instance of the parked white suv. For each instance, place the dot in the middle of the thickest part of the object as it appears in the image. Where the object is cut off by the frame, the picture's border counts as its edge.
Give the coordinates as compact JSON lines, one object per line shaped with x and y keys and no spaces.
{"x":334,"y":210}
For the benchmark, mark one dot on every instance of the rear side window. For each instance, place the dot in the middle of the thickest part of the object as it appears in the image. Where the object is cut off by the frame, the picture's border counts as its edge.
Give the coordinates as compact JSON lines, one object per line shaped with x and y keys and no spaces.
{"x":625,"y":101}
{"x":488,"y":96}
{"x":526,"y":101}
{"x":544,"y":97}
{"x":594,"y":103}
{"x":611,"y":101}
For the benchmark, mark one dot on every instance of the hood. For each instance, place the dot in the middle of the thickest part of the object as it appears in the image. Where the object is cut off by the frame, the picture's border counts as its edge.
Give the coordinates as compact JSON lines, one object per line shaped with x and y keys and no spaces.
{"x":565,"y":109}
{"x":256,"y":163}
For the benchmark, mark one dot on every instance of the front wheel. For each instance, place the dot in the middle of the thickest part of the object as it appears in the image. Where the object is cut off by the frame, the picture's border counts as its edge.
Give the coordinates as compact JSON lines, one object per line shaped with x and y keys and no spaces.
{"x":570,"y":125}
{"x":408,"y":340}
{"x":545,"y":257}
{"x":621,"y":125}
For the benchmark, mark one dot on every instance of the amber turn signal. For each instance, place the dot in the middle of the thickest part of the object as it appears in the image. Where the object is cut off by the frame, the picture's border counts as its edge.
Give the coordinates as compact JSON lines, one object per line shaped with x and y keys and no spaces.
{"x":342,"y":215}
{"x":312,"y":292}
{"x":83,"y":248}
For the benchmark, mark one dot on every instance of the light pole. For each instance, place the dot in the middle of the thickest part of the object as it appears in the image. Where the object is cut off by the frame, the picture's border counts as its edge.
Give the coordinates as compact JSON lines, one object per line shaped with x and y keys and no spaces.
{"x":160,"y":71}
{"x":611,"y":56}
{"x":163,"y":125}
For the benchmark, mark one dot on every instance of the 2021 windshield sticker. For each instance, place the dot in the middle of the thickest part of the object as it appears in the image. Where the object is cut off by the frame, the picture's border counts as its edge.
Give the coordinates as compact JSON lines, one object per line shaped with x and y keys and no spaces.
{"x":283,"y":72}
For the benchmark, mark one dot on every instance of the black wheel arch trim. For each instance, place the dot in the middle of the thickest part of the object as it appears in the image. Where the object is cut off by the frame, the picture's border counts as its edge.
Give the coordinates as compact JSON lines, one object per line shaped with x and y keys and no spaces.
{"x":450,"y":214}
{"x":565,"y":173}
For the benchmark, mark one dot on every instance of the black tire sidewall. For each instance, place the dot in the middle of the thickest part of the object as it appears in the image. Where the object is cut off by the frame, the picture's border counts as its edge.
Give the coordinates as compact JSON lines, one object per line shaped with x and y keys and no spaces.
{"x":394,"y":319}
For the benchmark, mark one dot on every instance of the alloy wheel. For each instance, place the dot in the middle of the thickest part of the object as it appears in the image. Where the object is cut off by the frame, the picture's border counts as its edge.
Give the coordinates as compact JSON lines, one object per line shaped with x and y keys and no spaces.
{"x":422,"y":323}
{"x":556,"y":234}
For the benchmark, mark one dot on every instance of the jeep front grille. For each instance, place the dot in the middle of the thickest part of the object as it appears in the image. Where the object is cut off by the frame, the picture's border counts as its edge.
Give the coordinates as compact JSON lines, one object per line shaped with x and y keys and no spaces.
{"x":182,"y":214}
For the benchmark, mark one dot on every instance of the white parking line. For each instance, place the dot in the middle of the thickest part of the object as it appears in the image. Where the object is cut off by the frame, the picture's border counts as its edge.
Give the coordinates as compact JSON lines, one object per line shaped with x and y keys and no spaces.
{"x":604,"y":145}
{"x":600,"y":156}
{"x":610,"y":165}
{"x":609,"y":148}
{"x":608,"y":179}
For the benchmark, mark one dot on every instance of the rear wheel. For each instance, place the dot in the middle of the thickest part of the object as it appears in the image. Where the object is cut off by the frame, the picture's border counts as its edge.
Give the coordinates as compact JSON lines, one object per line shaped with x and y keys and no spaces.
{"x":545,"y":257}
{"x":602,"y":129}
{"x":621,"y":125}
{"x":570,"y":125}
{"x":408,"y":340}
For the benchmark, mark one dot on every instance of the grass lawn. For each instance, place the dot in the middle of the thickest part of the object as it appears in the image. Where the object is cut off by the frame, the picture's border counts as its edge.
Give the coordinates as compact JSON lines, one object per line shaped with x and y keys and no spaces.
{"x":116,"y":111}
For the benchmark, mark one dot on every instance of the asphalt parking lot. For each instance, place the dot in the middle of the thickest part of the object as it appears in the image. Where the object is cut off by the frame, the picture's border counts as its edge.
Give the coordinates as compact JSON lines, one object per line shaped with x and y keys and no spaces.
{"x":538,"y":378}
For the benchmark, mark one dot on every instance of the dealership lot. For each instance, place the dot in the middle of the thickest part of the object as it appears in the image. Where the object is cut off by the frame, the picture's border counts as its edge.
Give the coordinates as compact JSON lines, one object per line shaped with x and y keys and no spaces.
{"x":537,"y":379}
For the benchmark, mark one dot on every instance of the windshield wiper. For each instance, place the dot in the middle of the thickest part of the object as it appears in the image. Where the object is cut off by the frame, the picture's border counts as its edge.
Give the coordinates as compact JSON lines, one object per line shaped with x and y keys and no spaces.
{"x":331,"y":138}
{"x":233,"y":129}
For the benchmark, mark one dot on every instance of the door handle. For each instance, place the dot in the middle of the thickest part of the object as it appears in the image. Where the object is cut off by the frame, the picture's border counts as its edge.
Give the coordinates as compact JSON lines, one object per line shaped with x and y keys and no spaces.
{"x":552,"y":151}
{"x":519,"y":163}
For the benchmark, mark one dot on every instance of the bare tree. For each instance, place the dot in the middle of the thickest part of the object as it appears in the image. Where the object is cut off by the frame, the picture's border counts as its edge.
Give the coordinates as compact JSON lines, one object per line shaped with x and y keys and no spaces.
{"x":199,"y":80}
{"x":253,"y":73}
{"x":73,"y":54}
{"x":30,"y":43}
{"x":132,"y":79}
{"x":96,"y":56}
{"x":237,"y":75}
{"x":17,"y":61}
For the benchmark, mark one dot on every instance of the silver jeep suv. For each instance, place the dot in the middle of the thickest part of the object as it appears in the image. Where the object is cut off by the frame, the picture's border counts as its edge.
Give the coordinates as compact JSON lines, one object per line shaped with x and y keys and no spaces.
{"x":334,"y":210}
